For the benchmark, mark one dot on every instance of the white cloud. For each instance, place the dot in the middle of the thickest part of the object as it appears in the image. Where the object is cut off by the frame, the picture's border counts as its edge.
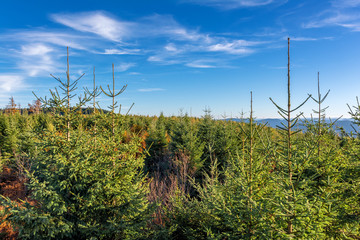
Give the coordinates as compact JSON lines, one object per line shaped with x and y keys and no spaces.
{"x":157,"y":26}
{"x":150,"y":89}
{"x":165,"y":59}
{"x":121,"y":51}
{"x":303,"y":39}
{"x":330,"y":19}
{"x":36,"y":59}
{"x":231,"y":4}
{"x":154,"y":27}
{"x":342,"y":13}
{"x":35,"y":50}
{"x":171,"y":47}
{"x":122,"y":67}
{"x":11,"y":83}
{"x":234,"y":47}
{"x":155,"y":59}
{"x":48,"y":37}
{"x":346,"y":3}
{"x":183,"y":54}
{"x":353,"y":26}
{"x":97,"y":23}
{"x":100,"y":33}
{"x":197,"y":64}
{"x":306,"y":39}
{"x":106,"y":26}
{"x":351,"y":22}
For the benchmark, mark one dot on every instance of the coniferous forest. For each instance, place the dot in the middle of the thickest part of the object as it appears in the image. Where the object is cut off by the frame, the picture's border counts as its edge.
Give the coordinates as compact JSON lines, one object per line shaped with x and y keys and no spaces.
{"x":70,"y":170}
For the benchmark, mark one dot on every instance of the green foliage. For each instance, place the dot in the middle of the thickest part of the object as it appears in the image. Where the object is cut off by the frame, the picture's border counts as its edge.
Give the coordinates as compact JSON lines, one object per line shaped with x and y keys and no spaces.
{"x":185,"y":140}
{"x":81,"y":189}
{"x":96,"y":175}
{"x":81,"y":193}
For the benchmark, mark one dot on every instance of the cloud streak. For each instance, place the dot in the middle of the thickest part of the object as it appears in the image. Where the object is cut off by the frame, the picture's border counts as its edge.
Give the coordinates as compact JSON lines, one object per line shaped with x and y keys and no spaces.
{"x":154,"y":27}
{"x":307,"y":39}
{"x":36,"y":59}
{"x":95,"y":22}
{"x":122,"y":67}
{"x":199,"y":64}
{"x":10,"y":83}
{"x":344,"y":13}
{"x":231,"y":4}
{"x":235,"y":47}
{"x":63,"y":39}
{"x":159,"y":39}
{"x":345,"y":3}
{"x":150,"y":89}
{"x":114,"y":51}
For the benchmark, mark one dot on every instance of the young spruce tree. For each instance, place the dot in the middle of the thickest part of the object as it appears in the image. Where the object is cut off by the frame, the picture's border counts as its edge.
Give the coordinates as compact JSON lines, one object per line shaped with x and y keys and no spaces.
{"x":79,"y":192}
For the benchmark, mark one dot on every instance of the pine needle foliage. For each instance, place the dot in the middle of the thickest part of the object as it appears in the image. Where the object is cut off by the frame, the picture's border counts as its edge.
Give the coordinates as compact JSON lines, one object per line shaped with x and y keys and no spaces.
{"x":112,"y":93}
{"x":209,"y":179}
{"x":292,"y":208}
{"x":79,"y":192}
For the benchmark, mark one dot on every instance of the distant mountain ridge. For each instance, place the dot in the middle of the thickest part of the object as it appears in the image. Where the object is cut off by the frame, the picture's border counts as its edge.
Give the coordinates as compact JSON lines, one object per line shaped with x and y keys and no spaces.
{"x":344,"y":123}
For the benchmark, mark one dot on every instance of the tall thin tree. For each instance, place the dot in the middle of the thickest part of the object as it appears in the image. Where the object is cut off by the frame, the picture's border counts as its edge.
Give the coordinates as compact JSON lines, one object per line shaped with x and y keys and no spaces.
{"x":287,"y":129}
{"x":113,"y":94}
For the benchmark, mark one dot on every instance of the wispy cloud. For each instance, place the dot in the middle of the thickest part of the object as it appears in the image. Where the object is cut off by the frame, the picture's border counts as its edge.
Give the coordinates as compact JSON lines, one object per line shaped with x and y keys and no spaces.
{"x":114,"y":51}
{"x":234,"y":47}
{"x":150,"y":89}
{"x":214,"y":45}
{"x":97,"y":23}
{"x":307,"y":39}
{"x":158,"y":38}
{"x":36,"y":59}
{"x":159,"y":28}
{"x":166,"y":26}
{"x":113,"y":29}
{"x":171,"y":48}
{"x":232,"y":4}
{"x":199,"y":64}
{"x":341,"y":13}
{"x":345,"y":3}
{"x":330,"y":18}
{"x":10,"y":83}
{"x":122,"y":67}
{"x":165,"y":59}
{"x":47,"y":36}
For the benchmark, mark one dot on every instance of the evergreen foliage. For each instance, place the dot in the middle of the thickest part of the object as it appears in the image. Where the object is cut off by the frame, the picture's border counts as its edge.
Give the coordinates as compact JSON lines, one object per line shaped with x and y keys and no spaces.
{"x":81,"y":191}
{"x":96,"y":174}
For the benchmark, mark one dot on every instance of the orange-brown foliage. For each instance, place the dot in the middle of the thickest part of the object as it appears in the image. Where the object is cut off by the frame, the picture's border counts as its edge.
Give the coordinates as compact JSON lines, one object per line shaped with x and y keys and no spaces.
{"x":13,"y":187}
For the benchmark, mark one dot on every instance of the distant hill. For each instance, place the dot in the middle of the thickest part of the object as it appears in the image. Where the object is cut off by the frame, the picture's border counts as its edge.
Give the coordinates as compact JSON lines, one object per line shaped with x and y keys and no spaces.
{"x":344,"y":123}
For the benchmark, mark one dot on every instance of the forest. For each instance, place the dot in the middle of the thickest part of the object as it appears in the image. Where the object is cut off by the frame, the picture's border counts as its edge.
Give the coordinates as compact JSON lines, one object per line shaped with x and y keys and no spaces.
{"x":70,"y":170}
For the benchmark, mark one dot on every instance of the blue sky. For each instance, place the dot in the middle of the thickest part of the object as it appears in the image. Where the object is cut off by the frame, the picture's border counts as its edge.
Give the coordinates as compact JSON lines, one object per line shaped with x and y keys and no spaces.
{"x":185,"y":55}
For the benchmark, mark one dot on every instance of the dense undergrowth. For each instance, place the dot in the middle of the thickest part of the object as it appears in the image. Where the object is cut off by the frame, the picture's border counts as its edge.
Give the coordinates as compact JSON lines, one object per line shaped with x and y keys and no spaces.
{"x":114,"y":176}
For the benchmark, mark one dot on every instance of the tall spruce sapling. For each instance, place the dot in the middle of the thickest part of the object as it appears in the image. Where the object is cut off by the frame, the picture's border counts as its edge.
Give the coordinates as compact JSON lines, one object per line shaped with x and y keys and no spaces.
{"x":322,"y":170}
{"x":94,"y":93}
{"x":207,"y":136}
{"x":354,"y":112}
{"x":290,"y":211}
{"x":112,"y":93}
{"x":349,"y":194}
{"x":231,"y":202}
{"x":60,"y":103}
{"x":79,"y":193}
{"x":322,"y":128}
{"x":249,"y":180}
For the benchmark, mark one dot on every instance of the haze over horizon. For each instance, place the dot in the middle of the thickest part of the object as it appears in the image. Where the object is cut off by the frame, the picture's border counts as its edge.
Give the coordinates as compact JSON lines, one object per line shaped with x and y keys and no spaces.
{"x":185,"y":54}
